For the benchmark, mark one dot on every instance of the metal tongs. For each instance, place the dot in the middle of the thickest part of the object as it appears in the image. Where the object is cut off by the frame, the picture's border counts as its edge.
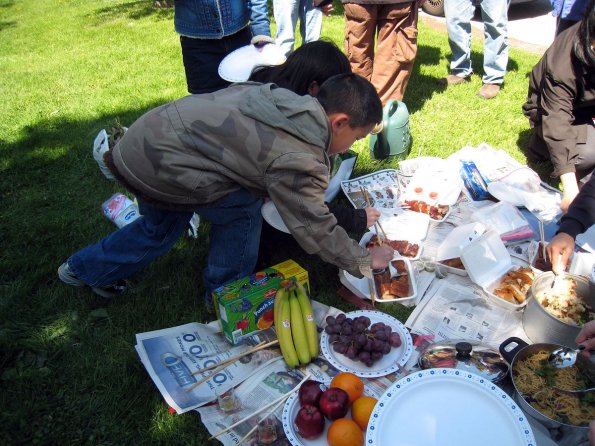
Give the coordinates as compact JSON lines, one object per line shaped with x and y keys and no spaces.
{"x":378,"y":228}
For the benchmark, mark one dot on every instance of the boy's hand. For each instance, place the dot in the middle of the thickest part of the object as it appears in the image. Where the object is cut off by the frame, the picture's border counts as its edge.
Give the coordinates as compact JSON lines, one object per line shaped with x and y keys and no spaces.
{"x":381,"y":256}
{"x":372,"y":216}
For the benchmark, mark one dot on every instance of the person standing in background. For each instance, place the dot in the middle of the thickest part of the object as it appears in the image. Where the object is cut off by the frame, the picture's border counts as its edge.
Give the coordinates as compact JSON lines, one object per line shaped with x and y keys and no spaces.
{"x":393,"y":24}
{"x":568,"y":12}
{"x":287,"y":13}
{"x":494,"y":14}
{"x":210,"y":30}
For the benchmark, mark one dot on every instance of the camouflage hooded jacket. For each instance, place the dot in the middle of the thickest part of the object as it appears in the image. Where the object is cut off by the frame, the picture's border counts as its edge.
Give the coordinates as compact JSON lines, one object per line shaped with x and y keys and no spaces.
{"x":268,"y":140}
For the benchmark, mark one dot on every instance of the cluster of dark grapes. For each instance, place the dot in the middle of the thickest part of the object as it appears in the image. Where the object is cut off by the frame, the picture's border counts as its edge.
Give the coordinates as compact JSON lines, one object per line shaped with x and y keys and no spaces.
{"x":359,"y":341}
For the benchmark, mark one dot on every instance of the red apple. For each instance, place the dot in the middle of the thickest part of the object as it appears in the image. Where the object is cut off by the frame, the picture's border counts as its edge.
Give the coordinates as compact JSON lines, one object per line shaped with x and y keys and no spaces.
{"x":334,"y":403}
{"x":309,"y":422}
{"x":310,"y":392}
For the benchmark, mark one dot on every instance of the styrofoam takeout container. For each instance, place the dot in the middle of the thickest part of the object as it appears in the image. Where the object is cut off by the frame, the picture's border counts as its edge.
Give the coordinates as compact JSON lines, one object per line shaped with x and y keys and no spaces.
{"x":487,"y":260}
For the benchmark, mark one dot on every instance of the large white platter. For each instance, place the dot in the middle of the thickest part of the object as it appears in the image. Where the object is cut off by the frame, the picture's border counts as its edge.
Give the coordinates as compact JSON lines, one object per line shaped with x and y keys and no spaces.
{"x":290,"y":410}
{"x":387,"y":364}
{"x":447,"y":407}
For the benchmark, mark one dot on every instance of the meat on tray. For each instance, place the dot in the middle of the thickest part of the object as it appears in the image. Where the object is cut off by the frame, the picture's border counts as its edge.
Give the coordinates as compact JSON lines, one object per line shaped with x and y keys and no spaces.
{"x":435,"y":212}
{"x":453,"y":263}
{"x":388,"y":287}
{"x":403,"y":247}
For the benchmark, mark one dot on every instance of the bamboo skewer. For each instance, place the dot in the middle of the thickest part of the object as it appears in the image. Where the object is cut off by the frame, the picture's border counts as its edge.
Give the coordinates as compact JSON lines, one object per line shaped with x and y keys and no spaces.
{"x":245,"y":437}
{"x":223,"y":364}
{"x":262,"y":409}
{"x":238,"y":356}
{"x":372,"y":290}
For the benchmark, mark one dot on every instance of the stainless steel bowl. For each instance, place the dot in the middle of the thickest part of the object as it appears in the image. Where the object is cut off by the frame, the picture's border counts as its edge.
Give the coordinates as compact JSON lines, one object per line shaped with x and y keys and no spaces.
{"x":542,"y":326}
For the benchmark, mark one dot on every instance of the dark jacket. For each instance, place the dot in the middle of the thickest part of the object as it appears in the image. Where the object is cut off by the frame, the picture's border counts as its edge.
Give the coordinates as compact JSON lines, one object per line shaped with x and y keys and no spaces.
{"x":581,"y":214}
{"x":561,"y":102}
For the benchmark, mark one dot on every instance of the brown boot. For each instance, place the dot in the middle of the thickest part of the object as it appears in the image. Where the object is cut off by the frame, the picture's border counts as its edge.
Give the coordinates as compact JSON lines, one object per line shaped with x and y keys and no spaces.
{"x":452,"y":79}
{"x":489,"y":91}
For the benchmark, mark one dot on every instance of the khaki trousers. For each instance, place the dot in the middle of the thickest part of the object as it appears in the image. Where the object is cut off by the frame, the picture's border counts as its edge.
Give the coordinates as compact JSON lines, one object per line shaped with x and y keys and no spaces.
{"x":390,"y":65}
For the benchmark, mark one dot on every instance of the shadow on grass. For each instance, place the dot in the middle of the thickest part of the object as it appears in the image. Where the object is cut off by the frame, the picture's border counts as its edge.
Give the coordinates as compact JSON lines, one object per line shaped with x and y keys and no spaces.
{"x":133,"y":11}
{"x":6,"y":25}
{"x":545,"y":168}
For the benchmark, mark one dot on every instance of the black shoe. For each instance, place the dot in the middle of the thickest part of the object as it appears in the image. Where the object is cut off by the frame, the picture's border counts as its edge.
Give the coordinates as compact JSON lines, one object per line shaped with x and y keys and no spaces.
{"x":66,"y":275}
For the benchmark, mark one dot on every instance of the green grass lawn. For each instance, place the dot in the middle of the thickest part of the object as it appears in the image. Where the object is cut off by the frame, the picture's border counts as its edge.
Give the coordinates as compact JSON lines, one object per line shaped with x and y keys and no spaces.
{"x":69,"y":371}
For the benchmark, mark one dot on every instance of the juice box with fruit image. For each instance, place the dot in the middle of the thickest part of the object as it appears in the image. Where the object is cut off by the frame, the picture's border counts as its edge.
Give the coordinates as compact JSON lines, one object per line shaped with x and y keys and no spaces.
{"x":245,"y":306}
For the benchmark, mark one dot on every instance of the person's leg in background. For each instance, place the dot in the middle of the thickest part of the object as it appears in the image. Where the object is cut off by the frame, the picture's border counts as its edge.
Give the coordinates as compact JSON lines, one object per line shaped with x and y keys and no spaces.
{"x":202,"y":58}
{"x":286,"y":14}
{"x":236,"y":223}
{"x":360,"y":33}
{"x":458,"y":14}
{"x":495,"y":49}
{"x":310,"y":21}
{"x":396,"y":49}
{"x":129,"y":249}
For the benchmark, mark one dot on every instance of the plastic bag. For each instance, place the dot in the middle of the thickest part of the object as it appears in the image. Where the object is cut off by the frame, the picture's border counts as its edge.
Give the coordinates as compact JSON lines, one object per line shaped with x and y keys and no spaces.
{"x":506,"y":220}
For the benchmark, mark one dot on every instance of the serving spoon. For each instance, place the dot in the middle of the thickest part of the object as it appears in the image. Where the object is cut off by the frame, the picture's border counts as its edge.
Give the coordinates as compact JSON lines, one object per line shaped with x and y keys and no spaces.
{"x":564,"y":357}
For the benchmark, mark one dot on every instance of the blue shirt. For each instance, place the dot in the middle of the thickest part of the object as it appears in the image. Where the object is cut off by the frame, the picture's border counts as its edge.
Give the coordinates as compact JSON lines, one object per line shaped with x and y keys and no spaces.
{"x":214,"y":19}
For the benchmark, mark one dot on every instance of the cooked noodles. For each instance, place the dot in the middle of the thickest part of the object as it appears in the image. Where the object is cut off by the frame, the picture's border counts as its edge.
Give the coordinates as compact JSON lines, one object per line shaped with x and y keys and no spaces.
{"x":533,"y":378}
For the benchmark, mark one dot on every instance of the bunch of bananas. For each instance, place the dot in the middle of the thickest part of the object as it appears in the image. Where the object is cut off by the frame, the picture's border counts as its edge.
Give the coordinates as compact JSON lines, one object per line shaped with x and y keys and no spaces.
{"x":295,"y":324}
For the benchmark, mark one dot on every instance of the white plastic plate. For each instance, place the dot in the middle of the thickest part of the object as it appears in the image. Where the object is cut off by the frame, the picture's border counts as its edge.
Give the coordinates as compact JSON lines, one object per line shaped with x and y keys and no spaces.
{"x":447,"y":407}
{"x":387,"y":364}
{"x":238,"y":65}
{"x":271,"y":215}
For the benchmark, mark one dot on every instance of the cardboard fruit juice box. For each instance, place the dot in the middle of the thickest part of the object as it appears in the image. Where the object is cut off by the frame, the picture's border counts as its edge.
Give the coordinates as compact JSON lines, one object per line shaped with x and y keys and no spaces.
{"x":246,"y":305}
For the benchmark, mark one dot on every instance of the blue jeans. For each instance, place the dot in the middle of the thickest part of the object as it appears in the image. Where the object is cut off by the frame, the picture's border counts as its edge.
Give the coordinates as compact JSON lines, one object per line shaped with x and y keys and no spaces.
{"x":494,"y":14}
{"x":287,"y":13}
{"x":234,"y":238}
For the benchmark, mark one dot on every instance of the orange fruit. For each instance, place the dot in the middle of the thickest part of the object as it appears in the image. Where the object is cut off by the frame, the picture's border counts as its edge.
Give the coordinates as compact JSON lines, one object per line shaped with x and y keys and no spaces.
{"x":362,"y":409}
{"x":350,"y":383}
{"x":344,"y":432}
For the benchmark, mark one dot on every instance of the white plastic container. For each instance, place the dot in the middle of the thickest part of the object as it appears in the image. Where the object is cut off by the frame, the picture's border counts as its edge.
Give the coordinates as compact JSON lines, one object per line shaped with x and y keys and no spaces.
{"x":487,"y":260}
{"x":100,"y":146}
{"x":453,"y":245}
{"x":120,"y":209}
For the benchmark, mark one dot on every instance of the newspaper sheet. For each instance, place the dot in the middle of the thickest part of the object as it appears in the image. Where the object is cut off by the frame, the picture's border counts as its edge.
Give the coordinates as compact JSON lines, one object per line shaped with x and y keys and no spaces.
{"x":456,"y":308}
{"x":173,"y":355}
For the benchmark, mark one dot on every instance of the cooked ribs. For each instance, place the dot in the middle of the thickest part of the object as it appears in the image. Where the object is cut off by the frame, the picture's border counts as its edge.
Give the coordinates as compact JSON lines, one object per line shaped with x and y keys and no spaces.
{"x":403,"y":247}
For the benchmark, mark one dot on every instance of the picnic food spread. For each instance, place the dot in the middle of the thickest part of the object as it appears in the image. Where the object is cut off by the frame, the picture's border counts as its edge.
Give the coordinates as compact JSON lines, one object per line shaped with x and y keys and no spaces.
{"x":365,"y":378}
